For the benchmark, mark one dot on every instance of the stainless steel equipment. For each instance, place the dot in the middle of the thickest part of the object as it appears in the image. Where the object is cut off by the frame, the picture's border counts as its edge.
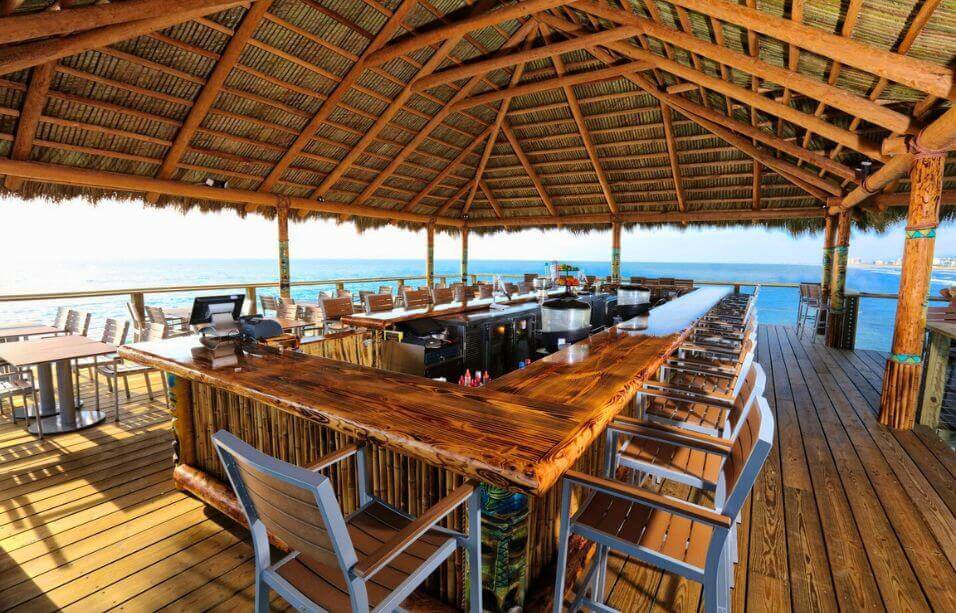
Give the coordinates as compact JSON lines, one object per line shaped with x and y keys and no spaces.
{"x":564,"y":321}
{"x":633,"y":300}
{"x":541,"y":286}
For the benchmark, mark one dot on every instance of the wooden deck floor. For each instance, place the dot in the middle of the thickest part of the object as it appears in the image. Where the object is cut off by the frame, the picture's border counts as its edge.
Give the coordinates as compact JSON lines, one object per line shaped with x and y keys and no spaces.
{"x":847,"y":514}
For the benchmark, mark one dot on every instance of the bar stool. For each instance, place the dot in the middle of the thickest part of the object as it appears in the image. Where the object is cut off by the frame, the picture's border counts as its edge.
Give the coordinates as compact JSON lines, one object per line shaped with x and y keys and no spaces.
{"x":816,"y":310}
{"x":325,"y":570}
{"x":674,"y":535}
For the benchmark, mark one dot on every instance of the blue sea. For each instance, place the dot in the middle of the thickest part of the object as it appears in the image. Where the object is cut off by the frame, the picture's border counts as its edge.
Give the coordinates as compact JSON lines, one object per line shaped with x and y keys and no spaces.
{"x":776,"y":305}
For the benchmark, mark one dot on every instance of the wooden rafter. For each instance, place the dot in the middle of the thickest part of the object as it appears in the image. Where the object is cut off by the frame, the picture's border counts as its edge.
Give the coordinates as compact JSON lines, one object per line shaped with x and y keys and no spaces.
{"x":455,"y":198}
{"x":585,"y":134}
{"x":212,"y":88}
{"x":491,"y":197}
{"x":437,"y":120}
{"x":757,"y":185}
{"x":457,"y":29}
{"x":447,"y":170}
{"x":528,"y":168}
{"x":919,"y":74}
{"x":330,"y":103}
{"x":27,"y":55}
{"x":30,"y":113}
{"x":672,"y":156}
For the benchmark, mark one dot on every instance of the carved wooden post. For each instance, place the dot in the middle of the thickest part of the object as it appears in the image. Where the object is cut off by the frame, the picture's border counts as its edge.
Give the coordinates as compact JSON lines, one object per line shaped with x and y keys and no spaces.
{"x":181,"y":407}
{"x":904,"y":367}
{"x":430,"y":255}
{"x":464,"y":256}
{"x":616,"y":251}
{"x":282,"y":218}
{"x":841,"y":246}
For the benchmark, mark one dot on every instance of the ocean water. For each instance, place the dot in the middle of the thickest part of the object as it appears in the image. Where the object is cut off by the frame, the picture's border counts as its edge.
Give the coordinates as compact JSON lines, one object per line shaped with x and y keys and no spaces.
{"x":776,"y":305}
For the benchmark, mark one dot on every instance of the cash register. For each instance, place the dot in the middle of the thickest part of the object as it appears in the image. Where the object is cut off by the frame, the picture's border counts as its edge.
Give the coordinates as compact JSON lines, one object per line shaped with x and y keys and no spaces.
{"x":221,"y":329}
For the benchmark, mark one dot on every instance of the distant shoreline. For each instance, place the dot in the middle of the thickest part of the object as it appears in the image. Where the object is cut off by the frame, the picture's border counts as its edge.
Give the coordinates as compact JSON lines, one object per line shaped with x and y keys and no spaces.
{"x":893,"y":267}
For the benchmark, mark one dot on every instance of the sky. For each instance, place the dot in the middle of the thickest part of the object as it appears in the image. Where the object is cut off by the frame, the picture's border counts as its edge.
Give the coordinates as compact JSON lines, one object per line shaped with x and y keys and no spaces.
{"x":41,"y":230}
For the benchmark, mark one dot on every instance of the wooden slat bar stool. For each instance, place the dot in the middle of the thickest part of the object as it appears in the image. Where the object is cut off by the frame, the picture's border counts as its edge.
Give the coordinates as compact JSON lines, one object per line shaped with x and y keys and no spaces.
{"x":369,"y":561}
{"x":379,"y":303}
{"x":814,"y":312}
{"x":674,"y":535}
{"x":416,"y":299}
{"x":443,"y":295}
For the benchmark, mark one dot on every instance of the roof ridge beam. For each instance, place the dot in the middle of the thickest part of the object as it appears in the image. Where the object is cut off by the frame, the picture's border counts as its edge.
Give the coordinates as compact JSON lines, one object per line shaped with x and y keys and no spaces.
{"x":457,"y":29}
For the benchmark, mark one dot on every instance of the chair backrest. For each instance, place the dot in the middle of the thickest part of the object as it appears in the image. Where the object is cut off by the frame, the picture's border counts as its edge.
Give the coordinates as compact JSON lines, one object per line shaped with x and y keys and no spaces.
{"x":138,"y":322}
{"x":485,"y":291}
{"x":385,"y":289}
{"x":748,"y":454}
{"x":287,"y":310}
{"x":61,"y":314}
{"x":268,"y":303}
{"x":78,"y":322}
{"x":336,"y":308}
{"x":753,"y":386}
{"x":465,"y":292}
{"x":365,"y":292}
{"x":744,"y":365}
{"x":443,"y":295}
{"x":343,"y":293}
{"x":377,"y":303}
{"x":153,"y":331}
{"x":280,"y":300}
{"x":155,"y":314}
{"x":310,"y":314}
{"x":416,"y":299}
{"x":296,"y":505}
{"x":115,"y":331}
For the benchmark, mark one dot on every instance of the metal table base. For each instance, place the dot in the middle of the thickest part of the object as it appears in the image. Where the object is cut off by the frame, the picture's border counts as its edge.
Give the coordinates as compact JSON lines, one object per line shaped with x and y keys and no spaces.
{"x":58,"y":425}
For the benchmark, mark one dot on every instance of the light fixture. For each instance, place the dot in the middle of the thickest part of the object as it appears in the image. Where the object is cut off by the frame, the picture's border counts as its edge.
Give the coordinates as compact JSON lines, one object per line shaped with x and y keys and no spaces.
{"x":220,"y":183}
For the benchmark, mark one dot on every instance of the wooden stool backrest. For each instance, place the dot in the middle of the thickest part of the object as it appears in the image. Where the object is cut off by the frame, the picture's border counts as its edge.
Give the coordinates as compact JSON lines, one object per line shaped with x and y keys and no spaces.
{"x":268,"y":303}
{"x":336,"y":308}
{"x":416,"y":299}
{"x":61,"y":314}
{"x":115,"y":331}
{"x":378,"y":303}
{"x":485,"y":291}
{"x":443,"y":295}
{"x":294,"y":504}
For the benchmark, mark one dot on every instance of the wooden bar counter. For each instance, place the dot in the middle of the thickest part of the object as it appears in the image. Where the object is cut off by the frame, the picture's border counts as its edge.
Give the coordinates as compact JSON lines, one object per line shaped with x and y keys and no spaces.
{"x":517,"y":435}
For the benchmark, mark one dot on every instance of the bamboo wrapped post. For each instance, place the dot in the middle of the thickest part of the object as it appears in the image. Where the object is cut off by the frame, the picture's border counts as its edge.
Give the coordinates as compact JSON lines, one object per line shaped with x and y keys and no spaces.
{"x":282,"y":219}
{"x":464,"y":256}
{"x":837,"y":297}
{"x":181,"y":407}
{"x":430,"y":255}
{"x":616,"y":251}
{"x":904,"y":367}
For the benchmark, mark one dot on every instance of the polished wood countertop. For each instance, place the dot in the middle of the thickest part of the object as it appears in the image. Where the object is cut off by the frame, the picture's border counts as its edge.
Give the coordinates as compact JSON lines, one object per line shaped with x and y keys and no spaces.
{"x":521,"y":432}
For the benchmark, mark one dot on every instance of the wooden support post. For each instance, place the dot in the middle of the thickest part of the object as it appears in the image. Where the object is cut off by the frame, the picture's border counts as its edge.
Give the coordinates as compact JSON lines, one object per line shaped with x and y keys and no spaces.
{"x":829,"y":241}
{"x":251,"y":300}
{"x":616,"y":251}
{"x":181,"y":407}
{"x":282,"y":218}
{"x":464,"y":256}
{"x":837,"y":295}
{"x":904,"y":367}
{"x":139,"y":306}
{"x":430,"y":255}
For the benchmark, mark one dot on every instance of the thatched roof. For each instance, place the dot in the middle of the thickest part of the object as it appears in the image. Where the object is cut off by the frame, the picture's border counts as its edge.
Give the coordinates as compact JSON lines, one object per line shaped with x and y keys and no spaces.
{"x":351,"y":107}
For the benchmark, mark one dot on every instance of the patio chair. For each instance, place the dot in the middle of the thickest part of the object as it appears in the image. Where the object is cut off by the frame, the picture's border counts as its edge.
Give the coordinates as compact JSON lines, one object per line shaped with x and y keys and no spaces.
{"x":121,"y":369}
{"x":362,"y":562}
{"x":379,"y":303}
{"x":385,"y":289}
{"x":115,"y":332}
{"x":18,"y":382}
{"x":815,"y":312}
{"x":268,"y":303}
{"x":287,"y":310}
{"x":175,"y":326}
{"x":333,"y":310}
{"x":60,"y":321}
{"x":661,"y":531}
{"x":78,"y":322}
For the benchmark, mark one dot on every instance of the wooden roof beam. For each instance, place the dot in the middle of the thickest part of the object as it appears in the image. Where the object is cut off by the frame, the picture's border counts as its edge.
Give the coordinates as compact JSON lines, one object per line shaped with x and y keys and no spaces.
{"x":651,"y":217}
{"x":27,"y":55}
{"x":447,"y":170}
{"x":528,"y":168}
{"x":918,"y":74}
{"x":210,"y":91}
{"x":585,"y":134}
{"x":439,"y":118}
{"x":30,"y":114}
{"x":604,"y":74}
{"x":754,"y":99}
{"x":457,"y":29}
{"x":68,"y":175}
{"x":330,"y":103}
{"x":672,"y":156}
{"x":450,"y":75}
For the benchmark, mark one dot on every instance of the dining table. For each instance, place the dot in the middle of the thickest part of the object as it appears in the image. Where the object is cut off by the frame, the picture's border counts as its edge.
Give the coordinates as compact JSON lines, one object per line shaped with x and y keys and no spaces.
{"x":58,"y":410}
{"x":25,"y":329}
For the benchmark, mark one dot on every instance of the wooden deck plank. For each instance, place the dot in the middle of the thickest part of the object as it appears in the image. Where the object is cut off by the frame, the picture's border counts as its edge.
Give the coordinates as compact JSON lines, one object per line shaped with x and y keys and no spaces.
{"x":842,"y":504}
